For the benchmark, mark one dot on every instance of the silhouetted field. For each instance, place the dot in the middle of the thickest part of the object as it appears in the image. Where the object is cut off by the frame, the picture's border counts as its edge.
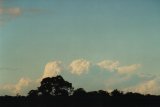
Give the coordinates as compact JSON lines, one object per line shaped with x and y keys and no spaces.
{"x":56,"y":92}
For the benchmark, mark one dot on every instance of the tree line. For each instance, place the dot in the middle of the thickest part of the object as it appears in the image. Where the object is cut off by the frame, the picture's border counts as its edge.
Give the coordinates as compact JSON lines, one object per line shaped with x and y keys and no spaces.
{"x":57,"y":92}
{"x":57,"y":86}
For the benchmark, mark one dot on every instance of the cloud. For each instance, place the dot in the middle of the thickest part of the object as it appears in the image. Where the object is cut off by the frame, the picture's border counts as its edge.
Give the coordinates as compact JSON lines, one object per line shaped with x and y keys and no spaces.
{"x":79,"y":66}
{"x":108,"y":65}
{"x":124,"y":82}
{"x":147,"y":87}
{"x":115,"y":66}
{"x":23,"y":82}
{"x":16,"y":88}
{"x":128,"y":69}
{"x":139,"y":82}
{"x":52,"y":69}
{"x":82,"y":66}
{"x":146,"y":75}
{"x":13,"y":11}
{"x":9,"y":13}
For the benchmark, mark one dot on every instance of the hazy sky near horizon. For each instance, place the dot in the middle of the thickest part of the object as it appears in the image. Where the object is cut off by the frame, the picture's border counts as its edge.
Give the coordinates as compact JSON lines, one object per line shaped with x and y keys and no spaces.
{"x":95,"y":44}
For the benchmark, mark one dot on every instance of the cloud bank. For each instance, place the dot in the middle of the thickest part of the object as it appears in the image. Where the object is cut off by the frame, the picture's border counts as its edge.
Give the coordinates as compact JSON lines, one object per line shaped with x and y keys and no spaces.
{"x":79,"y":67}
{"x":14,"y":89}
{"x":147,"y":87}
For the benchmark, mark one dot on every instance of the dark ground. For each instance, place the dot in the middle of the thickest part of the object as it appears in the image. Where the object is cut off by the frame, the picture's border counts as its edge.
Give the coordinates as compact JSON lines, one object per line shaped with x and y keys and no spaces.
{"x":81,"y":101}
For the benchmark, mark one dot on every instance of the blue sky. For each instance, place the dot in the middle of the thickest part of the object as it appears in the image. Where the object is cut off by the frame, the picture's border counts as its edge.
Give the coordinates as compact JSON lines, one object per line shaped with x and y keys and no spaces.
{"x":34,"y":33}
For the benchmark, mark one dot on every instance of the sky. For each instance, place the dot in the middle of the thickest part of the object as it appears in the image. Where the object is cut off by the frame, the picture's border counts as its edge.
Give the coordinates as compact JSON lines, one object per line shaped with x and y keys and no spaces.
{"x":94,"y":44}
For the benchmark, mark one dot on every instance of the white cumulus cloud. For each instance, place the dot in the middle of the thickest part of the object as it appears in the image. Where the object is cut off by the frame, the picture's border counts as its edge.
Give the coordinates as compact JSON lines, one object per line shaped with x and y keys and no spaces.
{"x":108,"y":65}
{"x":52,"y":69}
{"x":115,"y":66}
{"x":23,"y":82}
{"x":79,"y":66}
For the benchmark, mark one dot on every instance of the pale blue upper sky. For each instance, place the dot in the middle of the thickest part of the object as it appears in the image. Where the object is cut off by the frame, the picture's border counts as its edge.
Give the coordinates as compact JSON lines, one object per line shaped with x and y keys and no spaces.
{"x":46,"y":30}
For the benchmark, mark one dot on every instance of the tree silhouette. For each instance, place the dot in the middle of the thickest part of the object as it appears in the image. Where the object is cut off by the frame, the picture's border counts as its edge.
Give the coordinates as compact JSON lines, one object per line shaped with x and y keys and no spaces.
{"x":55,"y":86}
{"x":92,"y":93}
{"x":79,"y":92}
{"x":135,"y":94}
{"x":47,"y":95}
{"x":33,"y":93}
{"x":103,"y":93}
{"x":116,"y":93}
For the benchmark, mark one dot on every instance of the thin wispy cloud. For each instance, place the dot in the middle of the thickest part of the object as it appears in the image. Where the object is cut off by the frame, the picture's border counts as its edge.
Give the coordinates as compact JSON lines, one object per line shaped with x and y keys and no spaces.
{"x":13,"y":11}
{"x":10,"y":13}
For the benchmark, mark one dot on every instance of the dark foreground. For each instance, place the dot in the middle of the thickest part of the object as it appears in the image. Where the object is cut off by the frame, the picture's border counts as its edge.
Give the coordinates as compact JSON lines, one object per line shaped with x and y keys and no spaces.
{"x":81,"y":101}
{"x":56,"y":92}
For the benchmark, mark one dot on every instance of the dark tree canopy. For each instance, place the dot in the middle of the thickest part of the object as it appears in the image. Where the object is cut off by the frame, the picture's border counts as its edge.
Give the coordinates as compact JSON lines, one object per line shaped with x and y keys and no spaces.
{"x":103,"y":93}
{"x":33,"y":93}
{"x":116,"y":93}
{"x":55,"y":86}
{"x":79,"y":92}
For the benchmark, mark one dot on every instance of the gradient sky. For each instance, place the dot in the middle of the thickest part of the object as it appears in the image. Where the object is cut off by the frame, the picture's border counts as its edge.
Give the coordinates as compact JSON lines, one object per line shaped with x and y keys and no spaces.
{"x":36,"y":32}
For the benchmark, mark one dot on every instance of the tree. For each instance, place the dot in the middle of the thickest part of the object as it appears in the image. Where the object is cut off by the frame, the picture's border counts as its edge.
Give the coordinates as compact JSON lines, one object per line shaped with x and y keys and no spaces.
{"x":135,"y":94}
{"x":33,"y":93}
{"x":92,"y":93}
{"x":103,"y":93}
{"x":55,"y":86}
{"x":79,"y":92}
{"x":116,"y":93}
